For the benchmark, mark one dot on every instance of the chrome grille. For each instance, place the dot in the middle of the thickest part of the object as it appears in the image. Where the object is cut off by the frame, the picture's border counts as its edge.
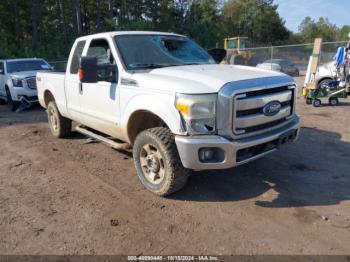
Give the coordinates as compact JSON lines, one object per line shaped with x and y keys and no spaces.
{"x":31,"y":83}
{"x":244,"y":99}
{"x":248,"y":115}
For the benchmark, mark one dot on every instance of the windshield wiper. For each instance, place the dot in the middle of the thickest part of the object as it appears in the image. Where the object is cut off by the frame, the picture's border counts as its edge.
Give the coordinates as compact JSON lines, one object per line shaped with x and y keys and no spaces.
{"x":150,"y":65}
{"x":198,"y":63}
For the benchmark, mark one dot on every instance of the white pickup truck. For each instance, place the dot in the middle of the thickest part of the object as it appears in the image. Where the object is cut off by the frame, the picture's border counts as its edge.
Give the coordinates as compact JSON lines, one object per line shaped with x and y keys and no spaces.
{"x":165,"y":97}
{"x":17,"y":80}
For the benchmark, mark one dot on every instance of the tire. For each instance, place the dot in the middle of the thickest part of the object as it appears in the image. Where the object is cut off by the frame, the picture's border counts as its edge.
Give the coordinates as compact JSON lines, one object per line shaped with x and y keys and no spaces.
{"x":308,"y":101}
{"x":317,"y":103}
{"x":333,"y":101}
{"x":60,"y":126}
{"x":2,"y":101}
{"x":324,"y":82}
{"x":12,"y":105}
{"x":157,"y":161}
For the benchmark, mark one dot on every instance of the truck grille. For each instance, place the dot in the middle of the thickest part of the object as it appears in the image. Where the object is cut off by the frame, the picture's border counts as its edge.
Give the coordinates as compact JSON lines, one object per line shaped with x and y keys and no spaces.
{"x":248,"y":109}
{"x":31,"y":83}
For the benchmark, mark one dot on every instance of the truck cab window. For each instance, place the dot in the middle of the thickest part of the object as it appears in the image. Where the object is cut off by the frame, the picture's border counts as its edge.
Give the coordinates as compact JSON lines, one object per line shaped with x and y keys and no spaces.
{"x":76,"y":57}
{"x":100,"y":49}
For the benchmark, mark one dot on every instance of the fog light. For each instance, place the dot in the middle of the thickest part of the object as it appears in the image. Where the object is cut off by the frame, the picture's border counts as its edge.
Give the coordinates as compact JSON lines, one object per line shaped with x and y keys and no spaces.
{"x":206,"y":154}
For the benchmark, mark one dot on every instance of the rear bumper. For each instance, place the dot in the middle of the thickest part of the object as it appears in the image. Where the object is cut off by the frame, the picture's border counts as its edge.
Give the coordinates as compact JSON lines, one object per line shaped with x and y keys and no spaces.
{"x":233,"y":152}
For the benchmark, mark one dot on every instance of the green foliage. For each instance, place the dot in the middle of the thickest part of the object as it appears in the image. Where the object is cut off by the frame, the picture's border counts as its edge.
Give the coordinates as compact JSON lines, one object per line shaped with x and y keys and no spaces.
{"x":344,"y":32}
{"x":203,"y":23}
{"x":47,"y":28}
{"x":310,"y":29}
{"x":257,"y":19}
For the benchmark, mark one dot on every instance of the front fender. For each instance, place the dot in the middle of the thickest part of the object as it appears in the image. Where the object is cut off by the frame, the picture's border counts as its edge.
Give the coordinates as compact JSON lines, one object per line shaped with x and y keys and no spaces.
{"x":161,"y":105}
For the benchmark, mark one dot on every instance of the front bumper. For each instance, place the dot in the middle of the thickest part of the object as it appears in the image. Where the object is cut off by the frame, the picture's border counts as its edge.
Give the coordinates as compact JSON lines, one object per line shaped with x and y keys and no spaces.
{"x":233,"y":152}
{"x":30,"y":95}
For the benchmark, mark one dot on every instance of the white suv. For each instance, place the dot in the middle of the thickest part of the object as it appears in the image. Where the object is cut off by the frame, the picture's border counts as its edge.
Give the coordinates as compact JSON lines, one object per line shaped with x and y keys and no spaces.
{"x":17,"y":80}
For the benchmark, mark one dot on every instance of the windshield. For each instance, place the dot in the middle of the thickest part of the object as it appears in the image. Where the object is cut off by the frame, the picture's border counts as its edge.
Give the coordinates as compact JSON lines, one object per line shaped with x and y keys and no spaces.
{"x":155,"y":51}
{"x":27,"y":65}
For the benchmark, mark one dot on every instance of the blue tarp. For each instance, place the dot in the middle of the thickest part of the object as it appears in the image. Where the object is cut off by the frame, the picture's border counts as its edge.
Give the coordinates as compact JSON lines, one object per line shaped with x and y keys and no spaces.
{"x":340,"y":56}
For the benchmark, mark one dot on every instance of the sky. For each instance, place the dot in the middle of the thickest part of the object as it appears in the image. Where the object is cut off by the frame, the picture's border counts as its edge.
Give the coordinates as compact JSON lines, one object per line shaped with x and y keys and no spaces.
{"x":294,"y":11}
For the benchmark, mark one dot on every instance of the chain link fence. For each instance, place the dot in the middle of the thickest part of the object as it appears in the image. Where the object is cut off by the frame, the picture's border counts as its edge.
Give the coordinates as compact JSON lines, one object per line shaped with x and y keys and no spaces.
{"x":296,"y":57}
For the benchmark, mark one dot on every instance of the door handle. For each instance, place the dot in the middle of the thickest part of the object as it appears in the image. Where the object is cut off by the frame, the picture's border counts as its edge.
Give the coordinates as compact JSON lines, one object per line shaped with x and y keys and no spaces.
{"x":81,"y":88}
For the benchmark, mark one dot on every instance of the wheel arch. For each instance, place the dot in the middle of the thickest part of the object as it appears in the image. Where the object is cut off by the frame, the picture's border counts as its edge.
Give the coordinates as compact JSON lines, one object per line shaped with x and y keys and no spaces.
{"x":48,"y":97}
{"x":141,"y":120}
{"x":147,"y":111}
{"x":324,"y":78}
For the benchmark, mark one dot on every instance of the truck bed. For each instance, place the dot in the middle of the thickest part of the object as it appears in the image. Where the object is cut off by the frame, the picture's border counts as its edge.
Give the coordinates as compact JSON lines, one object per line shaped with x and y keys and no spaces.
{"x":52,"y":82}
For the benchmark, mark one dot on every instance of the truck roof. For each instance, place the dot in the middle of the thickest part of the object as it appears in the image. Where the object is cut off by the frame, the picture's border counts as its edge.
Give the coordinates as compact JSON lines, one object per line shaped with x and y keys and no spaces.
{"x":114,"y":33}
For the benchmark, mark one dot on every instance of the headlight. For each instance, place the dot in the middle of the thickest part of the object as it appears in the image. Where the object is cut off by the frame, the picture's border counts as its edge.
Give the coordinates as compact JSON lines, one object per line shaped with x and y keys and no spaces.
{"x":198,"y":112}
{"x":17,"y":82}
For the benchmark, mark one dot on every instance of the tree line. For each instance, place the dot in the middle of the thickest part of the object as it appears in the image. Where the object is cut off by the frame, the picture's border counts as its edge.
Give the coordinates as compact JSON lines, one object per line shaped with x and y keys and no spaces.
{"x":47,"y":28}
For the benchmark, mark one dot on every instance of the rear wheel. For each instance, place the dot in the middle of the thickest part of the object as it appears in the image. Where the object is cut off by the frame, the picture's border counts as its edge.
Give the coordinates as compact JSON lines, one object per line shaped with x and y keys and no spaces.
{"x":13,"y":105}
{"x":308,"y":101}
{"x":157,"y":161}
{"x":60,"y":126}
{"x":317,"y":103}
{"x":333,"y":101}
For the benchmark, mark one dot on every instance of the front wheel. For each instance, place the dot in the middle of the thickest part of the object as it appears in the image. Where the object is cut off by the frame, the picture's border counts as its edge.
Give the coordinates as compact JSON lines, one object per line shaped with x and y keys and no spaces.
{"x":13,"y":105}
{"x":2,"y":101}
{"x":157,"y":161}
{"x":333,"y":101}
{"x":317,"y":103}
{"x":60,"y":126}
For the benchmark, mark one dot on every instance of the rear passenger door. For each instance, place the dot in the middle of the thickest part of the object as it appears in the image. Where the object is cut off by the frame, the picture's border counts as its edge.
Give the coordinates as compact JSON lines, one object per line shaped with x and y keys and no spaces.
{"x":100,"y":101}
{"x":72,"y":82}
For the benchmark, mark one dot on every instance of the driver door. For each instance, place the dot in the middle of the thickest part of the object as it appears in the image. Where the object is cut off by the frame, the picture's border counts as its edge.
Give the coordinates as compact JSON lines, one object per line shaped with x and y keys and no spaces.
{"x":100,"y":101}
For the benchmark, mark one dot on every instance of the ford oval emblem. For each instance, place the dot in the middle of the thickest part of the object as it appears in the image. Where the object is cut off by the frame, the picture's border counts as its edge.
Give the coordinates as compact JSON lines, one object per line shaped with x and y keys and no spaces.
{"x":272,"y":108}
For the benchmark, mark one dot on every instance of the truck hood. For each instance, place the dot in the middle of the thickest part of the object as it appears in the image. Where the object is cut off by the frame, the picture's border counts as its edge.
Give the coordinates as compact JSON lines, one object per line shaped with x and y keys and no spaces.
{"x":198,"y":78}
{"x":23,"y":75}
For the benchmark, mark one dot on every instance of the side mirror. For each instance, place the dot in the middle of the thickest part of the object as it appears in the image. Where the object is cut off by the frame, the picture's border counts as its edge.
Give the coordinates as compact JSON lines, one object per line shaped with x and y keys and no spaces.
{"x":2,"y":71}
{"x":218,"y":54}
{"x":88,"y":69}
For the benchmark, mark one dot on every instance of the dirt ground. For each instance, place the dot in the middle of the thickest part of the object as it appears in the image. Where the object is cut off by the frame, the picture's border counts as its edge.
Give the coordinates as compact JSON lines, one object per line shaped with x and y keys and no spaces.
{"x":71,"y":197}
